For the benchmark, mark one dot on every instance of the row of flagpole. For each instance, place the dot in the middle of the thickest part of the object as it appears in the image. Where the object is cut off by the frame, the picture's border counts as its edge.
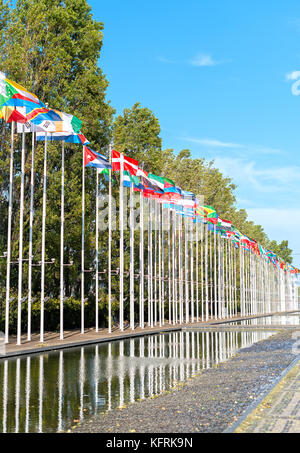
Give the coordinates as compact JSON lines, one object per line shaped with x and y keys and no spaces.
{"x":201,"y":290}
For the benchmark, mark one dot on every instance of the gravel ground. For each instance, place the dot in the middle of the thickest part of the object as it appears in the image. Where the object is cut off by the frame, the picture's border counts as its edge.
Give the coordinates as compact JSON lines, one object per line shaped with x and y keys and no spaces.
{"x":209,"y":402}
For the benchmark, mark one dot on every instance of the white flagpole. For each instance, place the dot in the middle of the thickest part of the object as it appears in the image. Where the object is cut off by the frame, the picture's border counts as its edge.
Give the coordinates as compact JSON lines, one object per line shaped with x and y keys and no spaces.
{"x":43,"y":243}
{"x":62,"y":240}
{"x":187,"y":316}
{"x":173,"y":267}
{"x":97,"y":255}
{"x":82,"y":243}
{"x":202,"y":265}
{"x":121,"y":243}
{"x":151,"y":261}
{"x":11,"y":169}
{"x":197,"y":269}
{"x":141,"y":260}
{"x":109,"y":243}
{"x":131,"y":220}
{"x":155,"y":262}
{"x":30,"y":242}
{"x":163,"y":267}
{"x":215,"y":272}
{"x":206,"y":271}
{"x":169,"y":263}
{"x":20,"y":279}
{"x":159,"y":263}
{"x":180,"y":270}
{"x":192,"y":272}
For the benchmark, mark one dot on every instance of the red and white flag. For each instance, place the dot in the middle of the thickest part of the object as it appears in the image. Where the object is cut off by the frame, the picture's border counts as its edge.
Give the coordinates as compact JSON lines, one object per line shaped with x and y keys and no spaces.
{"x":129,"y":164}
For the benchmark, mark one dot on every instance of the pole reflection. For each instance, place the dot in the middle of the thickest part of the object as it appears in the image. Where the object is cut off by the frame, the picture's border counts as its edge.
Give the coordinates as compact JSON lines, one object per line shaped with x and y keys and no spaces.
{"x":49,"y":392}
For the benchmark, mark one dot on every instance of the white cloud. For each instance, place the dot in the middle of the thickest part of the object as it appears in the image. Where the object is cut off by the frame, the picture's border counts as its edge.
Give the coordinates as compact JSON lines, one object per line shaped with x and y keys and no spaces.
{"x":294,"y":75}
{"x":249,"y":149}
{"x":245,"y":173}
{"x":203,"y":60}
{"x":212,"y":142}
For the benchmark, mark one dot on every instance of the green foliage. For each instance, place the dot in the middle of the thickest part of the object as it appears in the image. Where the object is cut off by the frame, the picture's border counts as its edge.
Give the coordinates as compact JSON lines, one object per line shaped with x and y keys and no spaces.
{"x":282,"y":250}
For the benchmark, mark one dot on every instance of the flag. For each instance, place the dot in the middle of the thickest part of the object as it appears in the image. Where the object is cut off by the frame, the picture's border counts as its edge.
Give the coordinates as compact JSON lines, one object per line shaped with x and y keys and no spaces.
{"x":16,"y":103}
{"x":63,"y":124}
{"x":129,"y":164}
{"x":171,"y":194}
{"x":224,"y":224}
{"x":96,"y":160}
{"x":129,"y":179}
{"x":68,"y":137}
{"x":168,"y":183}
{"x":157,"y":182}
{"x":187,"y":199}
{"x":144,"y":180}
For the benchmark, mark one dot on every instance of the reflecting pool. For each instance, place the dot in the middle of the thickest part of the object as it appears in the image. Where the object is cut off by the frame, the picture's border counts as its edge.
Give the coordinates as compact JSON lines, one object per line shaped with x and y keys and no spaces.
{"x":51,"y":392}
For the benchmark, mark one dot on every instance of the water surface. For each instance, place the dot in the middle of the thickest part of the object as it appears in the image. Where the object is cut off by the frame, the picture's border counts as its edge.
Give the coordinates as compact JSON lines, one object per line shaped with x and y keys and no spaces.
{"x":50,"y":392}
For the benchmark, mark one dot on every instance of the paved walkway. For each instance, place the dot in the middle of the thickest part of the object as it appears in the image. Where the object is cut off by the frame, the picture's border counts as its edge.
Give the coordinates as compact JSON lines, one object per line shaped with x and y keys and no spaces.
{"x":279,"y":412}
{"x":76,"y":338}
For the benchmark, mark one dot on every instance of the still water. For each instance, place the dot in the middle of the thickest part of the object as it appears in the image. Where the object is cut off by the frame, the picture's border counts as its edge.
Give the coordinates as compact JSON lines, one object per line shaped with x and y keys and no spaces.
{"x":292,"y":319}
{"x":51,"y":392}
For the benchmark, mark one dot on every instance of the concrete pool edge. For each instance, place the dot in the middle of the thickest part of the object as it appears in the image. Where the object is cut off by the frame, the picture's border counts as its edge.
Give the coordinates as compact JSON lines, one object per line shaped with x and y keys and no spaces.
{"x":211,"y":324}
{"x":231,"y":429}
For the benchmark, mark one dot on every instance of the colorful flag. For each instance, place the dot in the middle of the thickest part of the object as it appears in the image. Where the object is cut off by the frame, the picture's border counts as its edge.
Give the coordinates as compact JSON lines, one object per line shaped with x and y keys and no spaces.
{"x":16,"y":103}
{"x":61,"y":123}
{"x":157,"y":182}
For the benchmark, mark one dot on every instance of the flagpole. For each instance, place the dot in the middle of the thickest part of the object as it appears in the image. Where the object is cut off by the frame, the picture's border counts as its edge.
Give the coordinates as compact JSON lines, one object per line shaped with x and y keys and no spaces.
{"x":82,"y":243}
{"x":187,"y":316}
{"x":159,"y":263}
{"x":20,"y":279}
{"x":30,"y":242}
{"x":43,"y":243}
{"x":169,"y":263}
{"x":109,"y":242}
{"x":206,"y":271}
{"x":197,"y":269}
{"x":131,"y":220}
{"x":141,"y":260}
{"x":180,"y":274}
{"x":11,"y":169}
{"x":151,"y":262}
{"x":97,"y":255}
{"x":150,"y":286}
{"x":62,"y":240}
{"x":202,"y":265}
{"x":215,"y":272}
{"x":155,"y":262}
{"x":192,"y":272}
{"x":163,"y":267}
{"x":121,"y":243}
{"x":173,"y":266}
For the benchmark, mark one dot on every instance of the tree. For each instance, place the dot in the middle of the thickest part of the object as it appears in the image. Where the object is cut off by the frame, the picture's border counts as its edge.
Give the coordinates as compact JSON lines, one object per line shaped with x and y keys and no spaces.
{"x":136,"y":133}
{"x":282,"y":250}
{"x":52,"y":48}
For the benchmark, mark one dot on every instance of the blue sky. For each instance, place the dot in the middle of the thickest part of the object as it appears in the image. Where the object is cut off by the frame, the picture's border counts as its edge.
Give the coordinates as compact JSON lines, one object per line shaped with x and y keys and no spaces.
{"x":222,"y":79}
